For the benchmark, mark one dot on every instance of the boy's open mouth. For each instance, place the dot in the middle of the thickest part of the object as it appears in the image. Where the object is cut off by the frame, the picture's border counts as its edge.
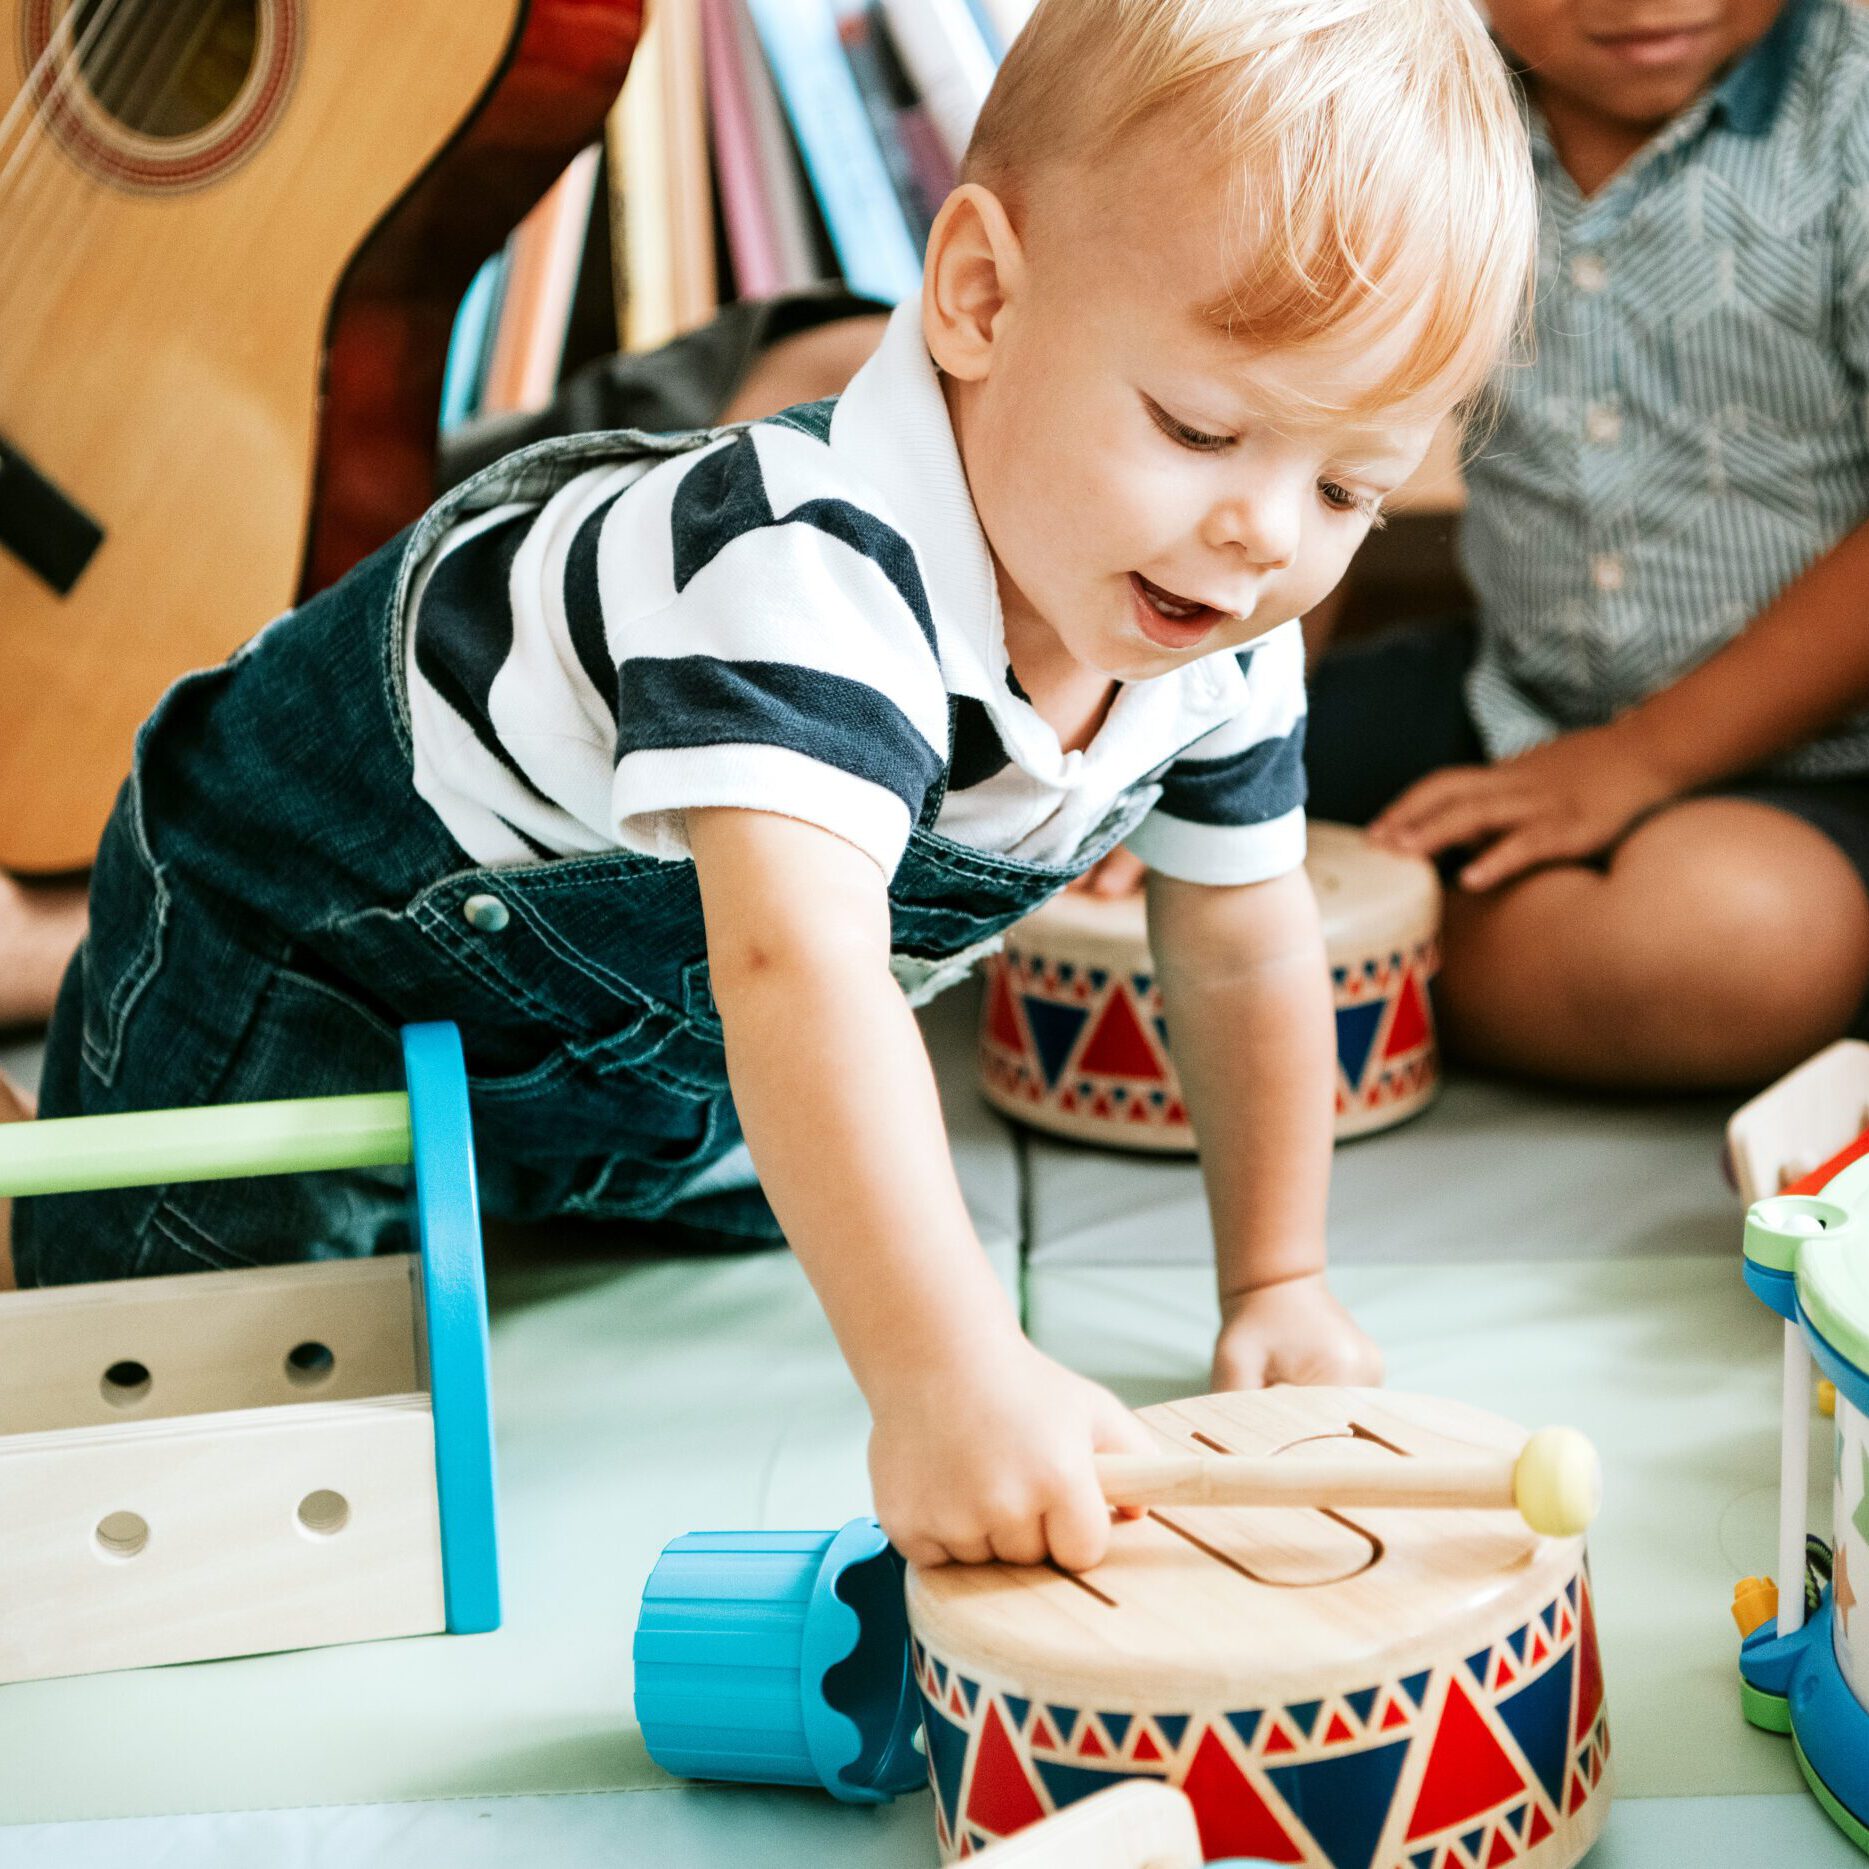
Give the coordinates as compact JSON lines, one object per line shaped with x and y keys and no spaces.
{"x":1173,"y":621}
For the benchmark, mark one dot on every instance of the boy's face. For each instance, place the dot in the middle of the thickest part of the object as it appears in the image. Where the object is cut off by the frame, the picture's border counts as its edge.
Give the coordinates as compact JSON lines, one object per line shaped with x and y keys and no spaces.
{"x":1634,"y":62}
{"x":1155,"y":491}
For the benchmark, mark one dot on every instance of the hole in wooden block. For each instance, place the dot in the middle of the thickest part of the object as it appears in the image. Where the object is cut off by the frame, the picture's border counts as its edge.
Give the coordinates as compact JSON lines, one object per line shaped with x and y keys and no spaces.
{"x":309,"y":1364}
{"x":125,"y":1384}
{"x":324,"y":1513}
{"x":122,"y":1534}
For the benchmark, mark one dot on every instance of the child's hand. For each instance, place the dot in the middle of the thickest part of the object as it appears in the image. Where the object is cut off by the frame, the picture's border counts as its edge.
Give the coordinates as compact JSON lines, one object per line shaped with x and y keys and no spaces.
{"x":993,"y":1460}
{"x":1294,"y":1331}
{"x":1561,"y":802}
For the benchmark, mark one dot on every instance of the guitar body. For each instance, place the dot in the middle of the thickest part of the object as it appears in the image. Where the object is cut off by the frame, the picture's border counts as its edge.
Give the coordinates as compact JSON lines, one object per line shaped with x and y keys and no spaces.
{"x":172,"y":272}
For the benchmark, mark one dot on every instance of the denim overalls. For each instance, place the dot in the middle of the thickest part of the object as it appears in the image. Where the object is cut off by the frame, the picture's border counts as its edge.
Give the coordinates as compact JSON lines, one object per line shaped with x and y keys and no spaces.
{"x":272,"y":900}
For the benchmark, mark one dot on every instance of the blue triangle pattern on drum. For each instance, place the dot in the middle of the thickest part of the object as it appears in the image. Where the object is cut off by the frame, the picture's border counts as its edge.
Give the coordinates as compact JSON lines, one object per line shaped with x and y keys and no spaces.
{"x":1303,"y":1715}
{"x":1356,"y":1036}
{"x":1516,"y":1641}
{"x":1570,"y":1590}
{"x":1142,"y":982}
{"x":1473,"y":1842}
{"x":1362,"y":1703}
{"x":1099,"y":979}
{"x":1062,"y":1720}
{"x":1018,"y":1709}
{"x":1054,"y":1031}
{"x":1344,"y":1801}
{"x":1245,"y":1724}
{"x":1538,"y":1717}
{"x":970,"y":1691}
{"x":1161,"y":1032}
{"x":1423,"y":1860}
{"x":1478,"y":1664}
{"x":1515,"y":1821}
{"x":1415,"y":1686}
{"x":947,"y":1760}
{"x":1068,"y":1783}
{"x":1172,"y":1725}
{"x":1116,"y":1725}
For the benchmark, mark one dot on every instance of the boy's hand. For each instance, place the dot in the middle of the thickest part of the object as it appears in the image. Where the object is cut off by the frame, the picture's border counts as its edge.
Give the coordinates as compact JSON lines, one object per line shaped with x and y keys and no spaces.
{"x":992,"y":1459}
{"x":1294,"y":1331}
{"x":1561,"y":802}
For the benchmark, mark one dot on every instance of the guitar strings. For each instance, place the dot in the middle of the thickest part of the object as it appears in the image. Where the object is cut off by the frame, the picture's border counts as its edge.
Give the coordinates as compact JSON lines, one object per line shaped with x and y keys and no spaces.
{"x":133,"y":40}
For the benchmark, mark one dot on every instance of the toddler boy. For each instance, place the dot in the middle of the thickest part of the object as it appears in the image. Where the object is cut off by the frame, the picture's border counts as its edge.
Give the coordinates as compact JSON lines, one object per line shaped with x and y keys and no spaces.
{"x":674,"y":769}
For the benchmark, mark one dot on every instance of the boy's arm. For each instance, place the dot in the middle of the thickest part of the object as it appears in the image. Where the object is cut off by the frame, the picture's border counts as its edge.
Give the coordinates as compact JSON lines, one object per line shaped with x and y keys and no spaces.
{"x":1800,"y":665}
{"x":1247,"y":991}
{"x":982,"y":1446}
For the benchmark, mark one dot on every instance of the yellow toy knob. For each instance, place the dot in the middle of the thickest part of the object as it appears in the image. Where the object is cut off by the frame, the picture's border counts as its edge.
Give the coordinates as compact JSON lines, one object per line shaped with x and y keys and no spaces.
{"x":1557,"y":1483}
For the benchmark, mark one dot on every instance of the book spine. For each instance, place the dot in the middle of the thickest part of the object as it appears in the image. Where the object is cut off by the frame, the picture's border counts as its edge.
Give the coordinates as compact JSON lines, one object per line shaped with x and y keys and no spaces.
{"x":885,"y":93}
{"x":867,"y":228}
{"x":751,"y":239}
{"x":460,"y":383}
{"x":948,"y":61}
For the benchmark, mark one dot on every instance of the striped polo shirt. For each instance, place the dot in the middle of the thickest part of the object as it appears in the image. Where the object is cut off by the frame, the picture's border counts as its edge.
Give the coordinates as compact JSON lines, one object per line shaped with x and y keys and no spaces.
{"x":1692,"y":432}
{"x":801,"y":617}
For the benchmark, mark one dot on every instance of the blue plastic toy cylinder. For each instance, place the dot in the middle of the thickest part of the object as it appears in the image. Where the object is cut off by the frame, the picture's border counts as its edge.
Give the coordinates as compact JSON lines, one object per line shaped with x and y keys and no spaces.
{"x":779,"y":1658}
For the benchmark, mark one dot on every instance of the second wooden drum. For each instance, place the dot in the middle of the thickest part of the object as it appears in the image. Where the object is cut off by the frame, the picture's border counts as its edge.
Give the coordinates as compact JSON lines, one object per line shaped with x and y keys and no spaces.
{"x":1073,"y":1038}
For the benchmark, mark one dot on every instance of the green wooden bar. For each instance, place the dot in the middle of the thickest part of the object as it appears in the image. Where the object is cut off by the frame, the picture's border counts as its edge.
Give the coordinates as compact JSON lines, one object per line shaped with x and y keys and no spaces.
{"x":72,"y":1155}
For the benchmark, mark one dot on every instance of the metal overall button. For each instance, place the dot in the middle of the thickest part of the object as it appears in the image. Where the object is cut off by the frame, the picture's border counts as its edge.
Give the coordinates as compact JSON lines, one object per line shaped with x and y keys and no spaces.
{"x":485,"y":914}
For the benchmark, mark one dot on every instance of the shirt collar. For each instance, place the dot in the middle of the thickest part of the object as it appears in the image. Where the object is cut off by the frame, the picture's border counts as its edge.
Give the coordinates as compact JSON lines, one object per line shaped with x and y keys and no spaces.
{"x":1748,"y":98}
{"x":892,"y":424}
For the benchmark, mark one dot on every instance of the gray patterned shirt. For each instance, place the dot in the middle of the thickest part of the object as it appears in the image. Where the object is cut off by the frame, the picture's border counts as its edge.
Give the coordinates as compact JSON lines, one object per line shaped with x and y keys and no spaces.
{"x":1693,"y":431}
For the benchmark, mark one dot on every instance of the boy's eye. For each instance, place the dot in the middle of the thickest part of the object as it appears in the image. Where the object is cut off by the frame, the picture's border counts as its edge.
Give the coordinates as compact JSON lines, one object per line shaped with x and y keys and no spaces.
{"x":1180,"y":432}
{"x":1342,"y":500}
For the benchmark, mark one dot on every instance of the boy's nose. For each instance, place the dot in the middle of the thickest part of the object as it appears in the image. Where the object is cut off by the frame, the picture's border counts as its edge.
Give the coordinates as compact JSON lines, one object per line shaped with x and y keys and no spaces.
{"x":1263,"y":524}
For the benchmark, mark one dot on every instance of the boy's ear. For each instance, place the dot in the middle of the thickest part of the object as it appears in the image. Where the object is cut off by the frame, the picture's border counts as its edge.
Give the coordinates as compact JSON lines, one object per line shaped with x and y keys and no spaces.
{"x":973,"y":270}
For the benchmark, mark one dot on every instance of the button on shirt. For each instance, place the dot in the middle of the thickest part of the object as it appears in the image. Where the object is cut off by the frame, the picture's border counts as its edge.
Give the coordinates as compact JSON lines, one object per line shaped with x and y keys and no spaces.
{"x":1692,"y":431}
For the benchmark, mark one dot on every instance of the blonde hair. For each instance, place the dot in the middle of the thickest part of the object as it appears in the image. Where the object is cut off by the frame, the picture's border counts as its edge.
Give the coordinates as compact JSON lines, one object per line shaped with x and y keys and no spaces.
{"x":1376,"y":150}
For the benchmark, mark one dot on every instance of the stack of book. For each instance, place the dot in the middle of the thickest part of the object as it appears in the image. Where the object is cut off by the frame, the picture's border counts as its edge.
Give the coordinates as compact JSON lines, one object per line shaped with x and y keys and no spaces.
{"x":759,"y":146}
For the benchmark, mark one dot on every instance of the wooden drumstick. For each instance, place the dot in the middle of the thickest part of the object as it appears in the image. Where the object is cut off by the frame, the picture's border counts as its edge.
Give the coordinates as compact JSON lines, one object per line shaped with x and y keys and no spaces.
{"x":1555,"y":1481}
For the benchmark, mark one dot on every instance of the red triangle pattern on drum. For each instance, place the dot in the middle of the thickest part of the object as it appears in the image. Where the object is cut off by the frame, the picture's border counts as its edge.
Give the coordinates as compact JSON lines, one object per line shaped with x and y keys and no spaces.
{"x":1147,"y":1752}
{"x":1000,"y":1799}
{"x":1234,"y":1817}
{"x":1589,"y":1673}
{"x":1578,"y":1792}
{"x":1277,"y":1739}
{"x":1338,"y":1730}
{"x":1468,"y":1770}
{"x":1541,"y":1827}
{"x":1501,"y":1852}
{"x":1396,"y":1715}
{"x":1042,"y":1735}
{"x":1002,"y":1018}
{"x":1409,"y":1030}
{"x":1089,"y":1746}
{"x":1118,"y":1045}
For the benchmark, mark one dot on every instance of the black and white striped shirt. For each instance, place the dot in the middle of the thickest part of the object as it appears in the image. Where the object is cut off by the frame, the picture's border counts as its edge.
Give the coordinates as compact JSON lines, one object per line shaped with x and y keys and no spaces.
{"x":799,"y":617}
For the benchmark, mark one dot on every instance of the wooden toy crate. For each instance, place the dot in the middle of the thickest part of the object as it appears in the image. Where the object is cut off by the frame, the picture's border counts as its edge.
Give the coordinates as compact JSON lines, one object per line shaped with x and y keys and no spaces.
{"x":224,"y":1463}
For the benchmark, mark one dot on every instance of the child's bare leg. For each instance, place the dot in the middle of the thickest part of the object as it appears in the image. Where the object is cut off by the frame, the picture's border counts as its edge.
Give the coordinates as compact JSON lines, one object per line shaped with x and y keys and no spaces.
{"x":1726,"y":942}
{"x":41,"y":925}
{"x":15,"y":1107}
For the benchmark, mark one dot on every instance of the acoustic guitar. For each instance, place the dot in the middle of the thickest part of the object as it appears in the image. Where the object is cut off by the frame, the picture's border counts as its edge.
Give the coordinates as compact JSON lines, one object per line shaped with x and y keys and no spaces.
{"x":232,"y":237}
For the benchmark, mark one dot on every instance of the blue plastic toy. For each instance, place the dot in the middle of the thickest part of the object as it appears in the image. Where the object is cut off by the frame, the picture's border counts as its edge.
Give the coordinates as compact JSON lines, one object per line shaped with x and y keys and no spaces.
{"x":1807,"y":1258}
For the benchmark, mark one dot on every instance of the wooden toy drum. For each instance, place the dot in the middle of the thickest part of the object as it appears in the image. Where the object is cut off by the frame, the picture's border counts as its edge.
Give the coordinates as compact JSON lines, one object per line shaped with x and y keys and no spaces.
{"x":1367,"y":1689}
{"x":1072,"y":1035}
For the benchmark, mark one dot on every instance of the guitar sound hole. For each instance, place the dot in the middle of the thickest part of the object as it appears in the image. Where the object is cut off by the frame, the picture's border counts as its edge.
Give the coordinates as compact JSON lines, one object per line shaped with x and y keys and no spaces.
{"x":165,"y":68}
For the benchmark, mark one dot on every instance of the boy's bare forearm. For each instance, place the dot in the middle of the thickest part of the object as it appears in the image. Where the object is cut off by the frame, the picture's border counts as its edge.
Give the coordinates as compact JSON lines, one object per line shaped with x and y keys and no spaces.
{"x":1801,"y":665}
{"x":1247,"y":992}
{"x":836,"y":1097}
{"x":838,"y":1103}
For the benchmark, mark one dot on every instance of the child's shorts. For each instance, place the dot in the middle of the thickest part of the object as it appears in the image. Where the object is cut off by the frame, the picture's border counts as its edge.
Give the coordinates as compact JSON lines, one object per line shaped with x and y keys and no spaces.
{"x":1389,"y":711}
